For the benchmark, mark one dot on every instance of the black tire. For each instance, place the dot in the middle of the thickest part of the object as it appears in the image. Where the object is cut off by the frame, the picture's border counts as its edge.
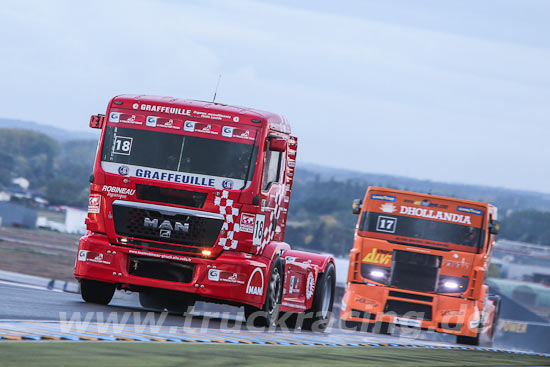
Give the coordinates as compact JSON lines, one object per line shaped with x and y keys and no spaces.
{"x":468,"y":340}
{"x":383,"y":328}
{"x":96,"y":292}
{"x":323,"y":300}
{"x":269,"y":313}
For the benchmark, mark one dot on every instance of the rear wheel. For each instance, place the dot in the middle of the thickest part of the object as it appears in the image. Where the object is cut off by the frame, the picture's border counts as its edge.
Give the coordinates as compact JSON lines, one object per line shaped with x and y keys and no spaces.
{"x":268,"y":315}
{"x":96,"y":292}
{"x":323,"y":300}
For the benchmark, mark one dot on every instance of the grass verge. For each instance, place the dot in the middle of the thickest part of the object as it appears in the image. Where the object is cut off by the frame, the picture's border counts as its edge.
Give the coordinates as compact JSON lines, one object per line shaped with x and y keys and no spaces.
{"x":61,"y":354}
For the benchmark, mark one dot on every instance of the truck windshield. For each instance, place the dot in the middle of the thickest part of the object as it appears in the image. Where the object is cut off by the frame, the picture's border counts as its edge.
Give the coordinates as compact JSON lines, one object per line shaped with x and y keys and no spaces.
{"x":418,"y":221}
{"x":162,"y":155}
{"x":422,"y":231}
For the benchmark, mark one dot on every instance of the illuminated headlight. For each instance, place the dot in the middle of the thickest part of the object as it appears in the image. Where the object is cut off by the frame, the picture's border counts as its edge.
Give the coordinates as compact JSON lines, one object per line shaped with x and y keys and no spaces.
{"x":377,"y":273}
{"x":206,"y":252}
{"x":450,"y":285}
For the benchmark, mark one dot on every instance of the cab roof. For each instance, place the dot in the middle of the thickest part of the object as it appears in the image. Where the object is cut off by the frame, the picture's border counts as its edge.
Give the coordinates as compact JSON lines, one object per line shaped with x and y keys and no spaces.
{"x":462,"y":201}
{"x":245,"y":114}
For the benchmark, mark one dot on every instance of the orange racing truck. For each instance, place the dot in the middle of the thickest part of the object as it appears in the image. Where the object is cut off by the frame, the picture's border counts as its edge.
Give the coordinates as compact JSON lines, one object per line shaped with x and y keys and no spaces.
{"x":188,"y":202}
{"x":420,"y":261}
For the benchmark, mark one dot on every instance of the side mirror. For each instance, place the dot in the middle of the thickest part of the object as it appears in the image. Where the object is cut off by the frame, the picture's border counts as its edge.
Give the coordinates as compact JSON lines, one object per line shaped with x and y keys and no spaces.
{"x":494,"y":227}
{"x":356,"y":206}
{"x":96,"y":121}
{"x":277,"y":145}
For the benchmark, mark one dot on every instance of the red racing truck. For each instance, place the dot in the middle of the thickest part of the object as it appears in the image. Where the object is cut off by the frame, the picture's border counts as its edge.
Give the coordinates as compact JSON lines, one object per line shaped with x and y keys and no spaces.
{"x":420,"y":261}
{"x":188,"y":202}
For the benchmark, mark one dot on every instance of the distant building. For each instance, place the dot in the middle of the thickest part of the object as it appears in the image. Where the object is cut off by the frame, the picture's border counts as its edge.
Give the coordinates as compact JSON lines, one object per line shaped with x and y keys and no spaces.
{"x":15,"y":215}
{"x":74,"y":220}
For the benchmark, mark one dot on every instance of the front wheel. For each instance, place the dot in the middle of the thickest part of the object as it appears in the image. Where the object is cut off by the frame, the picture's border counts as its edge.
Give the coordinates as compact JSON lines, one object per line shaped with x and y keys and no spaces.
{"x":323,"y":300}
{"x":468,"y":340}
{"x":96,"y":292}
{"x":268,"y":314}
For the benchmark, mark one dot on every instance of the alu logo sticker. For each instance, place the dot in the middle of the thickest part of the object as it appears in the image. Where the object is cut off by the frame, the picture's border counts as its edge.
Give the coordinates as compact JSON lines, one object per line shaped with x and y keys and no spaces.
{"x":214,"y":275}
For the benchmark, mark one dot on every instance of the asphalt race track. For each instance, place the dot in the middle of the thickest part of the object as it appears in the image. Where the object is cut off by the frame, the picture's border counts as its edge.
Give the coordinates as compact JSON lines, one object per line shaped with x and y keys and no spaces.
{"x":33,"y":313}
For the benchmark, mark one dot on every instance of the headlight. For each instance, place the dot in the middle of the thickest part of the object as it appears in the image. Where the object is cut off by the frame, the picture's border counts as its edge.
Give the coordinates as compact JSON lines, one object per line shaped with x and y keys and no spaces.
{"x":380,"y":274}
{"x":452,"y":284}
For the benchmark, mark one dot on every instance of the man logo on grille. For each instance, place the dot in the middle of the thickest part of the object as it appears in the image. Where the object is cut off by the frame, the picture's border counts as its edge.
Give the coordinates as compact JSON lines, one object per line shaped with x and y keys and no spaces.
{"x":166,"y":226}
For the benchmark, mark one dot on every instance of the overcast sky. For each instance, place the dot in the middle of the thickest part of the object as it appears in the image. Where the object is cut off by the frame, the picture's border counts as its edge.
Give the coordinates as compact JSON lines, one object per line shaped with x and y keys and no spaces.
{"x":454,"y":91}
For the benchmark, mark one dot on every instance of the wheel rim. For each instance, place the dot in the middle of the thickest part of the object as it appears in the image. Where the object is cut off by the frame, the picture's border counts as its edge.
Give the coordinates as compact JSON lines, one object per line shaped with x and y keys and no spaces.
{"x":274,"y":290}
{"x":327,"y":296}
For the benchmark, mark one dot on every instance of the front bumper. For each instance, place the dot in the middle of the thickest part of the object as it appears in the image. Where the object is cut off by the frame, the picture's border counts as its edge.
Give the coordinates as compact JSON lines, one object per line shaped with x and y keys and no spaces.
{"x":442,"y":313}
{"x":225,"y":278}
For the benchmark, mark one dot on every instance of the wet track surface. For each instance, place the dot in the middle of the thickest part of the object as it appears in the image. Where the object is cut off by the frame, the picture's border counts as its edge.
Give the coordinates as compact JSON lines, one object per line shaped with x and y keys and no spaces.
{"x":33,"y":313}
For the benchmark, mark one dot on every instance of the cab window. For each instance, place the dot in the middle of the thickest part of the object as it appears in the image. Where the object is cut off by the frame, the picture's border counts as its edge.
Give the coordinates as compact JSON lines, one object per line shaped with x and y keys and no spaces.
{"x":272,"y":169}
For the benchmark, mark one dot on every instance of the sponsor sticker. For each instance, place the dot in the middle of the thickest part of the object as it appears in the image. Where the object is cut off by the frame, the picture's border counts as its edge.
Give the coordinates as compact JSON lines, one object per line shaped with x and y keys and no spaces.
{"x":247,"y":223}
{"x":189,"y":126}
{"x":382,"y":197}
{"x":227,"y":184}
{"x":128,"y":118}
{"x":214,"y":275}
{"x":170,"y":176}
{"x":118,"y":192}
{"x":94,"y":204}
{"x":82,"y":255}
{"x":242,"y":134}
{"x":388,"y":208}
{"x":464,"y":209}
{"x":160,"y":256}
{"x":310,"y":285}
{"x":227,"y":131}
{"x":94,"y":257}
{"x":367,"y":302}
{"x":114,"y":117}
{"x":154,"y":121}
{"x":255,"y":284}
{"x":435,"y":214}
{"x":293,"y":305}
{"x":407,"y":322}
{"x":377,"y":256}
{"x":206,"y":128}
{"x":163,"y":109}
{"x":123,"y":170}
{"x":151,"y":121}
{"x":212,"y":116}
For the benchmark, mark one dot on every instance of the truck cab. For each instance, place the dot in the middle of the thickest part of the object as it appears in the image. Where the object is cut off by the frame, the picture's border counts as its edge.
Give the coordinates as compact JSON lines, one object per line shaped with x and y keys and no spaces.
{"x":420,"y":261}
{"x":189,"y":201}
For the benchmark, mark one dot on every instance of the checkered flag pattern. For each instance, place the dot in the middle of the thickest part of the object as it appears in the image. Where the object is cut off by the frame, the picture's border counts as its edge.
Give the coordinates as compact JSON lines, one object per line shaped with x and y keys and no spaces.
{"x":230,"y":227}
